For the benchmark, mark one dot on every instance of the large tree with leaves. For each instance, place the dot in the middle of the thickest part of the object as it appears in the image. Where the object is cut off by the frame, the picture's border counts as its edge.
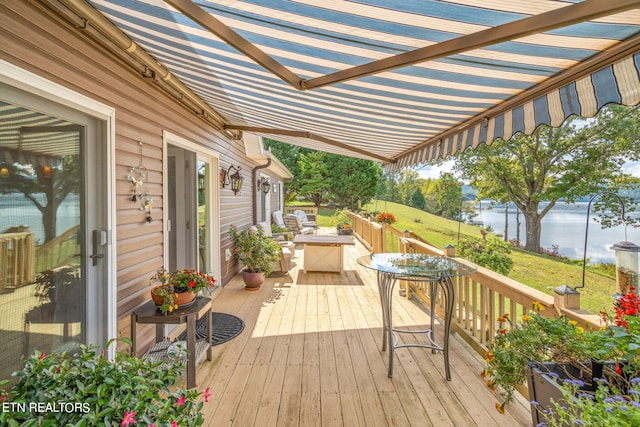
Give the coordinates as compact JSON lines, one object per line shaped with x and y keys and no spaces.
{"x":322,"y":177}
{"x":578,"y":159}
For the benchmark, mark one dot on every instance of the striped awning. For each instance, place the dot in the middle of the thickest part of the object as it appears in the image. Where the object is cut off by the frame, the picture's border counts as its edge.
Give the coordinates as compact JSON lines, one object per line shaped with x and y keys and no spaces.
{"x":399,"y":81}
{"x":30,"y":137}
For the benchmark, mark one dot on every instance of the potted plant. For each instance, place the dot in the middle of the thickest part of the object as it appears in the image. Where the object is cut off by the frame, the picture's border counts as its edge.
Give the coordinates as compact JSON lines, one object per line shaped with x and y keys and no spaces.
{"x":88,"y":387}
{"x":542,"y":348}
{"x":343,"y":222}
{"x":256,"y":252}
{"x":178,"y":288}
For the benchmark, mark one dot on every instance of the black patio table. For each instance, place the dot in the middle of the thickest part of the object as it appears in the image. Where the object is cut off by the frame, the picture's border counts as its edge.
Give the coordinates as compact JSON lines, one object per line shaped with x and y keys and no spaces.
{"x":438,"y":271}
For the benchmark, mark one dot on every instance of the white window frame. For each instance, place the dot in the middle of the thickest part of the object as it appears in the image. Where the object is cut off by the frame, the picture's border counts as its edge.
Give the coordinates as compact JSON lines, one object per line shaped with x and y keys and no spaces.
{"x":214,"y":158}
{"x":27,"y":81}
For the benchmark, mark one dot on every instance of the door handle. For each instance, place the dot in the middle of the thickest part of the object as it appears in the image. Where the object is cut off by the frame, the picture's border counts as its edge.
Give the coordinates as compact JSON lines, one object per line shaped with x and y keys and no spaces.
{"x":94,"y":243}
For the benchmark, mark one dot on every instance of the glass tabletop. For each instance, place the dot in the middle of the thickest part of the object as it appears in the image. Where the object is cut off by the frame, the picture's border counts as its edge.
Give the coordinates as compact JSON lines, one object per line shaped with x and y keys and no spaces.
{"x":416,"y":265}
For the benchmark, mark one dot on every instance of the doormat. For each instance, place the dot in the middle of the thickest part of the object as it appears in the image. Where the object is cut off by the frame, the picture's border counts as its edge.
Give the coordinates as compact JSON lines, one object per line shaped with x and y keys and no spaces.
{"x":225,"y":327}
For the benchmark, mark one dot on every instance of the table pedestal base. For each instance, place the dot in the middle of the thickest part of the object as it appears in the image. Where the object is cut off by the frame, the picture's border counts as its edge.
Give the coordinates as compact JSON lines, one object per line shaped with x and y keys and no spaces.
{"x":386,"y":284}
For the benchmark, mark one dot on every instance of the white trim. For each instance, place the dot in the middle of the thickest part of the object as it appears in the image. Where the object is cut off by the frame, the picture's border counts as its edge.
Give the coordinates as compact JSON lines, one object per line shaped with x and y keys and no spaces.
{"x":38,"y":85}
{"x":214,"y":191}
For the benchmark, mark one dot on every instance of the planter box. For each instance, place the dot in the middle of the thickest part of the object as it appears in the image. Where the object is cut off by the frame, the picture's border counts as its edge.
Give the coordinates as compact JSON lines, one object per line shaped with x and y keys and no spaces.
{"x":543,"y":388}
{"x":345,"y":231}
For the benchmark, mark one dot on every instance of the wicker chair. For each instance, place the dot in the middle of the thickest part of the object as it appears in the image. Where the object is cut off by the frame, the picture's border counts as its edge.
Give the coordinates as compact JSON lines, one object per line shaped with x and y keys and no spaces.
{"x":294,"y":225}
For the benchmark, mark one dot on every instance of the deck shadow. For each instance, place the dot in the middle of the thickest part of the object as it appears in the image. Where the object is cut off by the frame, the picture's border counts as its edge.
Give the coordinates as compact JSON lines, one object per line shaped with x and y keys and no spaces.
{"x":346,"y":278}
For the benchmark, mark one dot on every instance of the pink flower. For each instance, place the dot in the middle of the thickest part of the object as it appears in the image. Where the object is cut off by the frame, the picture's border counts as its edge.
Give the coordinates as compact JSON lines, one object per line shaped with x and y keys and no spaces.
{"x":206,"y":394}
{"x":42,"y":355}
{"x":128,"y":418}
{"x":180,"y":401}
{"x":174,"y":424}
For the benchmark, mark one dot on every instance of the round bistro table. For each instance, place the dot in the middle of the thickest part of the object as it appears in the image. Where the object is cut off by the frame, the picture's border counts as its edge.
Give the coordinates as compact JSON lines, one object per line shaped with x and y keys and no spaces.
{"x":438,"y":271}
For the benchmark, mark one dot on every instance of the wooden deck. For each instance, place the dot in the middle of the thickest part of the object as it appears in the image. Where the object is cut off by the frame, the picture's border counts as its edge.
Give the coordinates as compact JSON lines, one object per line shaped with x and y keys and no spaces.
{"x":310,"y":356}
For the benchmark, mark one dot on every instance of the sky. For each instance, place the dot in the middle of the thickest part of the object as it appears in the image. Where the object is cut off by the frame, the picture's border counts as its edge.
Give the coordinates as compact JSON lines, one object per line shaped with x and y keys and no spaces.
{"x":430,"y":171}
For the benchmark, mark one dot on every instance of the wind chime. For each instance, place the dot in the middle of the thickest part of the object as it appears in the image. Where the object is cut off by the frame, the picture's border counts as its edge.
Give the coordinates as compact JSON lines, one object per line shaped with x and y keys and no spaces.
{"x":136,"y":176}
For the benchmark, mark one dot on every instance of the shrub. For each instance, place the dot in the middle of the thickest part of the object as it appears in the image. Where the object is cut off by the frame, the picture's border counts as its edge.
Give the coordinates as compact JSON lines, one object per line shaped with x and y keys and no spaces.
{"x":87,"y":388}
{"x":386,"y":218}
{"x":492,"y":253}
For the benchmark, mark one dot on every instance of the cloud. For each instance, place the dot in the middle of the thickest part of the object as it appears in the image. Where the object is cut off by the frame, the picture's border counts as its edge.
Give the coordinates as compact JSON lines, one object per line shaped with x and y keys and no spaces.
{"x":431,"y":171}
{"x":632,"y":168}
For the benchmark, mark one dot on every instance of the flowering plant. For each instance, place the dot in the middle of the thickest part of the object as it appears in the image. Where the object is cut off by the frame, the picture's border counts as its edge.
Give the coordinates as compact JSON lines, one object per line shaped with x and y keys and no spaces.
{"x":89,"y":388}
{"x":538,"y":338}
{"x":386,"y":218}
{"x":608,"y":406}
{"x":186,"y":280}
{"x":622,"y":335}
{"x":543,"y":339}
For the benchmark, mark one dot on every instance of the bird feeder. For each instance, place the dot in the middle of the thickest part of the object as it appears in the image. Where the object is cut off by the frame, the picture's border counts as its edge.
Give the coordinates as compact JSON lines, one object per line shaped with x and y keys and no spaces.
{"x":626,"y":254}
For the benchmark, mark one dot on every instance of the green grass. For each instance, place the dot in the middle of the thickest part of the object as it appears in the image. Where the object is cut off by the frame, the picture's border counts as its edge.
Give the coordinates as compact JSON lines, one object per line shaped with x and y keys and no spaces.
{"x":538,"y":271}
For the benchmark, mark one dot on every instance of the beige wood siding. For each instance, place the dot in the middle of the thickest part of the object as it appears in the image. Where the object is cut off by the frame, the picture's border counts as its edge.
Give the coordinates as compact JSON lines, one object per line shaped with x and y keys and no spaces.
{"x":33,"y":38}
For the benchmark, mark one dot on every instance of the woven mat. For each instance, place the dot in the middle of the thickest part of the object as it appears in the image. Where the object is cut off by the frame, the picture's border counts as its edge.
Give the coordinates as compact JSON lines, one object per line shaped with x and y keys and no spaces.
{"x":224,"y":328}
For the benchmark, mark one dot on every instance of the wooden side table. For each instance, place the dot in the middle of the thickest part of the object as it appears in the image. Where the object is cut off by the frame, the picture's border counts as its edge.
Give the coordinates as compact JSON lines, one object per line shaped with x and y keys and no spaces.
{"x":148,"y":313}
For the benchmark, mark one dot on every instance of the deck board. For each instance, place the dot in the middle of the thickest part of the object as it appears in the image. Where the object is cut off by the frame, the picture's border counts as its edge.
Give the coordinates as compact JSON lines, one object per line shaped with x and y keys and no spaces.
{"x":310,"y":355}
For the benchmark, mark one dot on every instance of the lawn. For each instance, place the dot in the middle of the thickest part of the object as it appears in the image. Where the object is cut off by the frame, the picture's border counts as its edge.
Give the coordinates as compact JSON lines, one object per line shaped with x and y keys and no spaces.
{"x":538,"y":271}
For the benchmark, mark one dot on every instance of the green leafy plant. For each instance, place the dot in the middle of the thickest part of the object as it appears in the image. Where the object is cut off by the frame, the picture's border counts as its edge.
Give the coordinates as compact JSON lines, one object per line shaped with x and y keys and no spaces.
{"x":543,"y":339}
{"x":255,"y":250}
{"x":608,"y":406}
{"x":185,"y":280}
{"x":89,"y":389}
{"x":341,"y":219}
{"x":491,"y":253}
{"x":537,"y":338}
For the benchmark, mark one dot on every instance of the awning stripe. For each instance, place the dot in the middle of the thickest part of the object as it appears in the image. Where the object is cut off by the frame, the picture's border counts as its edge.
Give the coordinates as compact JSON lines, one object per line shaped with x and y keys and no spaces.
{"x":617,"y":83}
{"x":390,"y":113}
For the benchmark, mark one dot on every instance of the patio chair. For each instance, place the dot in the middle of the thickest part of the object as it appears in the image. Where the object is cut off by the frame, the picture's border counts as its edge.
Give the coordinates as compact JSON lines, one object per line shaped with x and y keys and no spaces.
{"x":276,"y":217}
{"x":288,"y":249}
{"x":294,"y":225}
{"x":306,"y":220}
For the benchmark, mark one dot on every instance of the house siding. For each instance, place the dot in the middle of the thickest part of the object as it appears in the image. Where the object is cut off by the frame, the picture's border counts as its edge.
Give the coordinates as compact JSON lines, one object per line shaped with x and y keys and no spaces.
{"x":34,"y":38}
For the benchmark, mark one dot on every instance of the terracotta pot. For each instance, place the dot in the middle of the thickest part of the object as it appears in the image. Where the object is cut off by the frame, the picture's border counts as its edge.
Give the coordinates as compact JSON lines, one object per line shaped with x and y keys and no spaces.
{"x":181,"y":299}
{"x":252,"y":280}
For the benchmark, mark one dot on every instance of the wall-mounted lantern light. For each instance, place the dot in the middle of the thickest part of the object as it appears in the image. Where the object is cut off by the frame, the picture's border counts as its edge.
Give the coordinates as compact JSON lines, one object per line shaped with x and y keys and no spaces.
{"x":264,"y":184}
{"x":234,"y":179}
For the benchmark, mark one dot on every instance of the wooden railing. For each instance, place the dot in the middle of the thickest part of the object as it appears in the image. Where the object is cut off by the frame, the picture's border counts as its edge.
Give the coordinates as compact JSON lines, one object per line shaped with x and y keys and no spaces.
{"x":59,"y":251}
{"x":309,"y":210}
{"x":17,"y":259}
{"x":481,"y":297}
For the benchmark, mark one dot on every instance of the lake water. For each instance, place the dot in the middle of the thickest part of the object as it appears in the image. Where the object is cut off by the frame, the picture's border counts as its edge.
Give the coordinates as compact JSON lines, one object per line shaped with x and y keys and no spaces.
{"x":15,"y":209}
{"x":564,"y":226}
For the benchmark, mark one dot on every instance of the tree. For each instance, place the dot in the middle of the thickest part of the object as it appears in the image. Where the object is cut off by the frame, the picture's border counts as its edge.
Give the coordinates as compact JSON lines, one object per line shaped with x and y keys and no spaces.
{"x":44,"y":186}
{"x":352,"y":179}
{"x":320,"y":177}
{"x":417,"y":199}
{"x":314,"y":174}
{"x":289,"y":155}
{"x":580,"y":158}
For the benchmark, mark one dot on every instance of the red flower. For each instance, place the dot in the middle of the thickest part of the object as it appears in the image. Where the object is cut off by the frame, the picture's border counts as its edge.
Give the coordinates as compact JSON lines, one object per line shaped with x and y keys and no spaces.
{"x":192,"y":284}
{"x":128,"y":418}
{"x":618,"y":370}
{"x":206,"y":394}
{"x":180,"y":401}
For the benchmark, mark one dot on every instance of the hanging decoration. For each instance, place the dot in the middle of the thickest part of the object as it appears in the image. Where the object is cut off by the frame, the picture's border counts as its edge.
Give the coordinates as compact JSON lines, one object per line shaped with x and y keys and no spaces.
{"x":146,"y":204}
{"x":137,"y":176}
